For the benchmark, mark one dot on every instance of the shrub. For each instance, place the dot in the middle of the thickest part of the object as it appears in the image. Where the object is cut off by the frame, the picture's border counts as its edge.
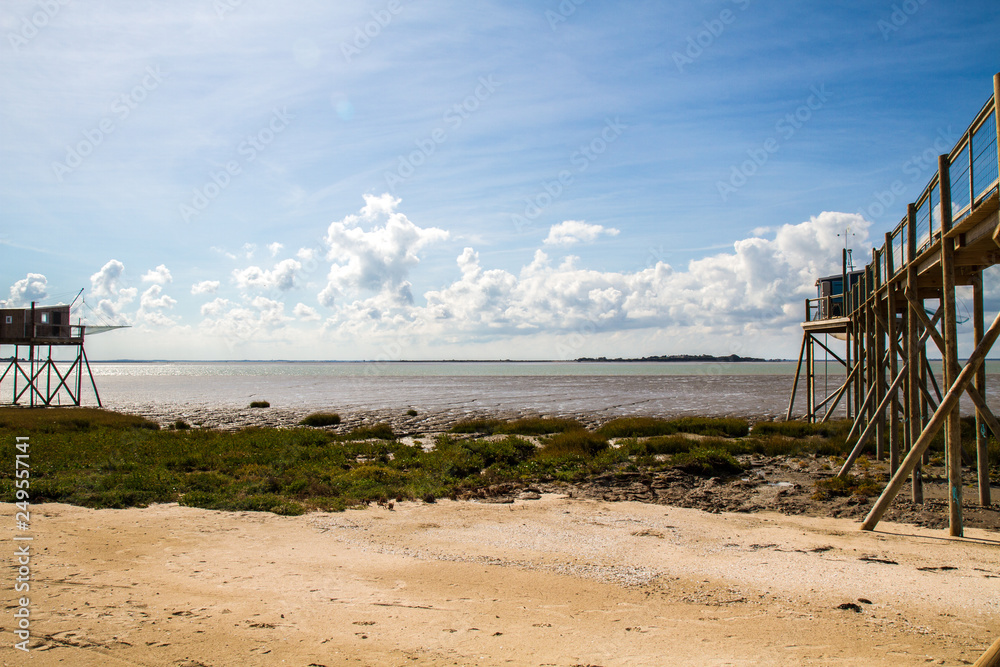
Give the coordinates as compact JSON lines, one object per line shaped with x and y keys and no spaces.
{"x":707,"y":462}
{"x":797,"y":429}
{"x":539,"y":426}
{"x":180,"y":425}
{"x":411,"y":412}
{"x":486,"y":426}
{"x":637,"y":427}
{"x":848,"y":485}
{"x":574,"y":443}
{"x":376,"y":432}
{"x":260,"y":404}
{"x":321,"y":419}
{"x":724,"y":426}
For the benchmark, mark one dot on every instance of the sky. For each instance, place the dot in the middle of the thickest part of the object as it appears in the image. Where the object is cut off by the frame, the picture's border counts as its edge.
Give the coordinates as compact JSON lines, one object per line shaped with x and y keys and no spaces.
{"x":420,"y":179}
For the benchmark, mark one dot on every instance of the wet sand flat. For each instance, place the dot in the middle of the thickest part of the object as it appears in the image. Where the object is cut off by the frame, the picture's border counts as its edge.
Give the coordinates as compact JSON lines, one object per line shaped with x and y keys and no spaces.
{"x":553,"y":581}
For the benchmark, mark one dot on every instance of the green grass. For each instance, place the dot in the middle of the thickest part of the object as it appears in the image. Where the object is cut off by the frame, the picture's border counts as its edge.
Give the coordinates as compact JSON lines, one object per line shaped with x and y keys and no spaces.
{"x":640,"y":427}
{"x":96,"y":458}
{"x":526,"y":426}
{"x":321,"y":419}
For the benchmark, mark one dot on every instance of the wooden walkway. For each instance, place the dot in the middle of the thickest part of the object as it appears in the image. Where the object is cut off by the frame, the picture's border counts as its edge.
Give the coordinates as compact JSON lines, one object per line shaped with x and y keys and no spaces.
{"x":947,"y":238}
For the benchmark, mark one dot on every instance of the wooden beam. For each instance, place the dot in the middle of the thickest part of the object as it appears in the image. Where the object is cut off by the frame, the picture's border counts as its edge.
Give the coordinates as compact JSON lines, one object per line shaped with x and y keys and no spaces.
{"x":982,"y":450}
{"x":937,"y":420}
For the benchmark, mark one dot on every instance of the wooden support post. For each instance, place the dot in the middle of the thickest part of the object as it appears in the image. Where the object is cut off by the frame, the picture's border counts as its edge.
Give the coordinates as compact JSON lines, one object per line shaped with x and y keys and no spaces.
{"x":934,"y":426}
{"x":982,"y":452}
{"x":798,"y":370}
{"x":879,"y":349}
{"x":845,"y":311}
{"x":912,"y":348}
{"x":810,"y":381}
{"x":992,"y":656}
{"x":893,"y":365}
{"x":953,"y":433}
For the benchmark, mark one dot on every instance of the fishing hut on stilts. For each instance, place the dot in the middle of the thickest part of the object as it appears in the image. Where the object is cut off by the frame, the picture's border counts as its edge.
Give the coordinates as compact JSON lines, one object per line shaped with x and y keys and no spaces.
{"x":34,"y":336}
{"x":890,"y":389}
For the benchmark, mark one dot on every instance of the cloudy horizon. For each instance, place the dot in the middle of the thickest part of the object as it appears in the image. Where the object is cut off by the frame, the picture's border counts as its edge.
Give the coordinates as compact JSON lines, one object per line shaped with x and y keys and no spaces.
{"x":528,"y":180}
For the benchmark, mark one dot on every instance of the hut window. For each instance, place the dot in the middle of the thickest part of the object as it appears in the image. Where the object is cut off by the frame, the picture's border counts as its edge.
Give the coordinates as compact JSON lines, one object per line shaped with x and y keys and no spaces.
{"x":45,"y":318}
{"x":10,"y":319}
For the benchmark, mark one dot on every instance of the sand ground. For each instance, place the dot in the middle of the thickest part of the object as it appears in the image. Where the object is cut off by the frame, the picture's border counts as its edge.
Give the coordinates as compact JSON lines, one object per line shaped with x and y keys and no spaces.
{"x":553,"y":581}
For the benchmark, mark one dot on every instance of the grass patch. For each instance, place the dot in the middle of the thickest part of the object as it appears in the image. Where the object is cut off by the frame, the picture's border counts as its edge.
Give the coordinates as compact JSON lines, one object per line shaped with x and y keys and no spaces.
{"x":849,"y":485}
{"x":484,"y":426}
{"x":375,"y":432}
{"x":69,"y":420}
{"x":643,"y":427}
{"x":577,"y":443}
{"x":321,"y":419}
{"x":260,"y":404}
{"x":637,"y":427}
{"x":797,"y":429}
{"x":706,"y":462}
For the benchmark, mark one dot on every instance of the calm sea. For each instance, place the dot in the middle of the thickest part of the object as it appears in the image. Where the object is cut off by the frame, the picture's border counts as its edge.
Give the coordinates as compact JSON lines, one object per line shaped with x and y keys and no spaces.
{"x":558,"y":388}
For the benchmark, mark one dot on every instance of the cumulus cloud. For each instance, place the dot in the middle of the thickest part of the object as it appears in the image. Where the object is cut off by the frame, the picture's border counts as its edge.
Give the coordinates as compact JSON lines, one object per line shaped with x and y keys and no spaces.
{"x":33,"y":287}
{"x":576,"y":231}
{"x":757,"y":286}
{"x":107,"y":283}
{"x":152,"y":305}
{"x":305,"y":313}
{"x":159,"y":276}
{"x":205,"y":287}
{"x":275,"y":248}
{"x":378,"y":259}
{"x":281,"y":277}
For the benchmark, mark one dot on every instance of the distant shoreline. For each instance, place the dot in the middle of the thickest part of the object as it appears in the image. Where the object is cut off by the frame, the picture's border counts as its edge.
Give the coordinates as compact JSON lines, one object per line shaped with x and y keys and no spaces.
{"x":655,"y":359}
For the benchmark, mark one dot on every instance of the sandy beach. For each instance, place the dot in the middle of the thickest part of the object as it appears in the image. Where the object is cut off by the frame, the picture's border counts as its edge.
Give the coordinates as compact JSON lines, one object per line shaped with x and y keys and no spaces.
{"x":547,"y":581}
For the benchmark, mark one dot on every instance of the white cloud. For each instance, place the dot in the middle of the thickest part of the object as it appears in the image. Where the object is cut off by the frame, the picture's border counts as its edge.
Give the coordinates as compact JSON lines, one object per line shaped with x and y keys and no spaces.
{"x":377,"y":260}
{"x":275,"y":248}
{"x":576,"y":231}
{"x":759,"y":286}
{"x":159,"y":276}
{"x":34,"y":287}
{"x":205,"y":287}
{"x":281,"y":277}
{"x":215,"y":307}
{"x":105,"y":282}
{"x":151,"y":306}
{"x":305,"y":313}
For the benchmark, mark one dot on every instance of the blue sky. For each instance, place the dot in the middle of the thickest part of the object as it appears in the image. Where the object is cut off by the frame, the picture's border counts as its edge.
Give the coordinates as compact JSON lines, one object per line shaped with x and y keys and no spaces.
{"x":401,"y":179}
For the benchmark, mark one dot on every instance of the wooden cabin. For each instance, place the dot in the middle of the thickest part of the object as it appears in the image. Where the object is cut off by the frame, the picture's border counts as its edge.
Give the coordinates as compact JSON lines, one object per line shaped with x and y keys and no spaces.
{"x":45,"y":325}
{"x":830,"y":294}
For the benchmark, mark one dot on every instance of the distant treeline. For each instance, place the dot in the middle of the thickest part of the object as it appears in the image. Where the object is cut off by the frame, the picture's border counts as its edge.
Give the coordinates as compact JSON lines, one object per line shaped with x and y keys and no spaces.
{"x":681,"y":357}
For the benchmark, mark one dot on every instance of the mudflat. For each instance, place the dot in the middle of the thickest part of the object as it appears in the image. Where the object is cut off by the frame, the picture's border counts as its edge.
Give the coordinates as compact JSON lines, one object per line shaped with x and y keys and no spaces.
{"x":550,"y":580}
